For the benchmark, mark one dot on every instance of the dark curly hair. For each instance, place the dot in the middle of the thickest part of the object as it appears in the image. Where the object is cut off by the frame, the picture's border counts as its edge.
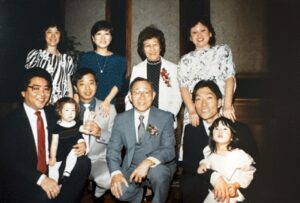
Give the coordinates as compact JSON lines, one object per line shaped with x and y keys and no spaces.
{"x":149,"y":33}
{"x":228,"y":123}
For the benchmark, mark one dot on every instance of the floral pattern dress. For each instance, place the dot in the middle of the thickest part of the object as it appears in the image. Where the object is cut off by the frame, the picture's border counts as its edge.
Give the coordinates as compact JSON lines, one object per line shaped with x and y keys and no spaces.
{"x":60,"y":67}
{"x":214,"y":63}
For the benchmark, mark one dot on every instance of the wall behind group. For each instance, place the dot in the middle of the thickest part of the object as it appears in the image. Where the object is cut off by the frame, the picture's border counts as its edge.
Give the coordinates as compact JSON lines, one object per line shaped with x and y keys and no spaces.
{"x":242,"y":25}
{"x":164,"y":15}
{"x":79,"y":19}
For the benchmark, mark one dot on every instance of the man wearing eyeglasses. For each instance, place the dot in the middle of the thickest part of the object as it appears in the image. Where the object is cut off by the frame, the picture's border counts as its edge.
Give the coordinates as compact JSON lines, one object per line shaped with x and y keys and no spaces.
{"x":147,"y":133}
{"x":25,"y":138}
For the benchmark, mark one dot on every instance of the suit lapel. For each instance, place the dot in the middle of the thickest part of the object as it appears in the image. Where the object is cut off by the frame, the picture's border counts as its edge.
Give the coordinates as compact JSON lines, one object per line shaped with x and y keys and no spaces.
{"x":163,"y":88}
{"x":25,"y":125}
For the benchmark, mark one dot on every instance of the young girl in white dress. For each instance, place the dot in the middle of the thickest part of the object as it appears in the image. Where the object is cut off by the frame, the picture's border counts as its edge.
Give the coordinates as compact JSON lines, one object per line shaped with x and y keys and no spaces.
{"x":223,"y":156}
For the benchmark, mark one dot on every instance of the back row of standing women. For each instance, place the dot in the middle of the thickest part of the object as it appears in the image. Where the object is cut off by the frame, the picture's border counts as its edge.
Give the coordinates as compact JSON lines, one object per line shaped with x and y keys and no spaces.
{"x":173,"y":83}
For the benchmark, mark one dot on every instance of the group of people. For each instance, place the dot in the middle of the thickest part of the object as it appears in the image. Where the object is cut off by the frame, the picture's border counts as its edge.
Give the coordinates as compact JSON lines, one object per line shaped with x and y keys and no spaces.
{"x":68,"y":129}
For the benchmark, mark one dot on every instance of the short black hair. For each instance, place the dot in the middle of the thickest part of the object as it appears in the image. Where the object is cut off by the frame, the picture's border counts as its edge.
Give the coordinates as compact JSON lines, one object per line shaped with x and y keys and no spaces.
{"x":140,"y":79}
{"x":149,"y":33}
{"x":227,"y":122}
{"x":80,"y":73}
{"x":28,"y":74}
{"x":209,"y":84}
{"x":100,"y":25}
{"x":206,"y":23}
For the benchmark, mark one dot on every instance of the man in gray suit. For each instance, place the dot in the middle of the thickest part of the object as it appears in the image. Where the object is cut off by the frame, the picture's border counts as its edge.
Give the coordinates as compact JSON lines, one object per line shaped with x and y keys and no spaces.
{"x":97,"y":126}
{"x":147,"y":134}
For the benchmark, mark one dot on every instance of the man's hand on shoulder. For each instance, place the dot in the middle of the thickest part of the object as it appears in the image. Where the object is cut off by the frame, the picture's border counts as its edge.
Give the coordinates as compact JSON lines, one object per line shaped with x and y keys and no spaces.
{"x":51,"y":187}
{"x":141,"y":171}
{"x":116,"y":184}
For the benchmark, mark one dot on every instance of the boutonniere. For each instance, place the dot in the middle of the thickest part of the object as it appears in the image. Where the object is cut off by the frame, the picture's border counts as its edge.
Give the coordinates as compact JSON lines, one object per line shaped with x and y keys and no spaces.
{"x":166,"y":77}
{"x":152,"y":129}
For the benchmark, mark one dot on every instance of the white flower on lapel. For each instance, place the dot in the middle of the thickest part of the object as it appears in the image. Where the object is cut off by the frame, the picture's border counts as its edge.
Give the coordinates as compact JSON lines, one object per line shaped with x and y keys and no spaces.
{"x":152,"y":129}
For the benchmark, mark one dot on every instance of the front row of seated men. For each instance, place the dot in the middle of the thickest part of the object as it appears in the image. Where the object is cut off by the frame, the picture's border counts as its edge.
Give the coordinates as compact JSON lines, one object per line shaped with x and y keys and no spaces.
{"x":146,"y":133}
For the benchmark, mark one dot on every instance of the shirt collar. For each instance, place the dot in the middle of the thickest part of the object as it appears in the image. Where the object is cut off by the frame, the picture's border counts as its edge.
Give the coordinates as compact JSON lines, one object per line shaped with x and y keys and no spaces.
{"x":145,"y":114}
{"x":206,"y":127}
{"x":92,"y":105}
{"x":32,"y":111}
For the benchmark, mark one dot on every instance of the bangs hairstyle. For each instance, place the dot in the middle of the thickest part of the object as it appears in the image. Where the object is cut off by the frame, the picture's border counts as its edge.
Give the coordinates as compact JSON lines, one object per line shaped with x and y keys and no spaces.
{"x":66,"y":100}
{"x":228,"y":123}
{"x":206,"y":23}
{"x":100,"y":25}
{"x":149,"y":33}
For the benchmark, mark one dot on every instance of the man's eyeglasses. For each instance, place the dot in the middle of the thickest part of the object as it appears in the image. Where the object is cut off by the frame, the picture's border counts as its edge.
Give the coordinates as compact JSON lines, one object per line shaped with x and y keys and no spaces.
{"x":37,"y":88}
{"x":136,"y":93}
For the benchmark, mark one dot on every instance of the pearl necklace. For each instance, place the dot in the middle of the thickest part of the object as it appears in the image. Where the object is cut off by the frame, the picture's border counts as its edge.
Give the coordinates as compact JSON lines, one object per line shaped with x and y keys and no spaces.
{"x":101,"y":68}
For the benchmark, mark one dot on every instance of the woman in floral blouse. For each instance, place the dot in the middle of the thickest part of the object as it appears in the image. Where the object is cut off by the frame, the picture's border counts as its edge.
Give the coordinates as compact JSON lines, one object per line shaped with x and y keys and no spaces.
{"x":207,"y":62}
{"x":160,"y":72}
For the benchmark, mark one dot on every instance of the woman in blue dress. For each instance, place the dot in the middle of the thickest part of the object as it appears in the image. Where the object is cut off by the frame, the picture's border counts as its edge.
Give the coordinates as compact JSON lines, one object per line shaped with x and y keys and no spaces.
{"x":110,"y":68}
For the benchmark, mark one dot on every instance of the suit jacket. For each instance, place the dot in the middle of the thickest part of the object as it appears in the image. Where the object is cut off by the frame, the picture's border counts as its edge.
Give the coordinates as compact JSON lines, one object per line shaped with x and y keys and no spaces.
{"x":97,"y":147}
{"x":161,"y":146}
{"x":169,"y":97}
{"x":17,"y":143}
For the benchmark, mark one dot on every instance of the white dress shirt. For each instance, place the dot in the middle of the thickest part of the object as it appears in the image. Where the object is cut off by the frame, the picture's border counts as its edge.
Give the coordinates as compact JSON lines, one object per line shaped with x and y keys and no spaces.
{"x":30,"y":112}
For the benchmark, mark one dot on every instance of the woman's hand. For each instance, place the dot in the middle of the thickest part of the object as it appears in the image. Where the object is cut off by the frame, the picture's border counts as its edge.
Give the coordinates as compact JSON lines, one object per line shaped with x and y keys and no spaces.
{"x":105,"y":107}
{"x":194,"y":118}
{"x":229,"y":113}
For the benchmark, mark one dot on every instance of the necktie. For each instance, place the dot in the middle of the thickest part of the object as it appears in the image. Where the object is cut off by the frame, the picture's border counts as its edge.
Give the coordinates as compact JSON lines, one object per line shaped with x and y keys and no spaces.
{"x":141,"y":128}
{"x":41,"y":165}
{"x":86,"y":112}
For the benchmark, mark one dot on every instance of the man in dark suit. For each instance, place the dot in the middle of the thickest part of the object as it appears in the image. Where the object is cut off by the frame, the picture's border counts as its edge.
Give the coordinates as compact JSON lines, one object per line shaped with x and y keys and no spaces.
{"x":208,"y":99}
{"x":147,"y":134}
{"x":25,"y":138}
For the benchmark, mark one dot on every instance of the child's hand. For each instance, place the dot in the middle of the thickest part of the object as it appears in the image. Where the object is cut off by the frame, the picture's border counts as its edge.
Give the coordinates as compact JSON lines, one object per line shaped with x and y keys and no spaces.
{"x":229,"y":113}
{"x":202,"y":168}
{"x":52,"y":161}
{"x":232,"y":189}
